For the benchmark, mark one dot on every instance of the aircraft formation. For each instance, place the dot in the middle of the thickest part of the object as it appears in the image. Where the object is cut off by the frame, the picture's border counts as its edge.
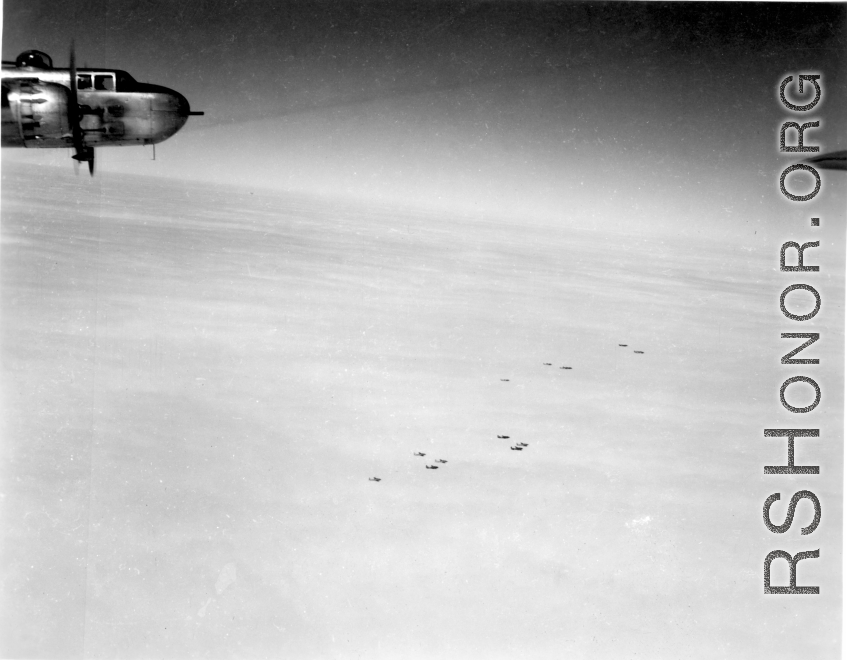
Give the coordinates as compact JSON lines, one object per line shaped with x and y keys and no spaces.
{"x":46,"y":107}
{"x":430,"y":467}
{"x":518,"y":446}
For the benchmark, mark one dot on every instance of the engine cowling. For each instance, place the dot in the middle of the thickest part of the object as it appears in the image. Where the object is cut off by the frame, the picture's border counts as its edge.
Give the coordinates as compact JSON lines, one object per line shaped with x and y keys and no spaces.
{"x":35,"y":114}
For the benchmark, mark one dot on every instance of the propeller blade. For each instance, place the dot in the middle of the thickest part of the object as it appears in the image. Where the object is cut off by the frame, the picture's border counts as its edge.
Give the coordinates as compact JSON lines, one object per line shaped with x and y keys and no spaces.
{"x":85,"y":154}
{"x":73,"y":74}
{"x":73,"y":102}
{"x":81,"y":152}
{"x":73,"y":105}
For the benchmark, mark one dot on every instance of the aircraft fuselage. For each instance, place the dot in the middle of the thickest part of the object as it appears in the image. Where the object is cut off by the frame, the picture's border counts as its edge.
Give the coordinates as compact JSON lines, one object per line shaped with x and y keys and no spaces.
{"x":113,"y":108}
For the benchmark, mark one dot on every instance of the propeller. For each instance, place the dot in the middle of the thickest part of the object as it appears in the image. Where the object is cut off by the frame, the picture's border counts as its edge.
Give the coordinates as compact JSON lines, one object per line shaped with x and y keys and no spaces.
{"x":82,"y":152}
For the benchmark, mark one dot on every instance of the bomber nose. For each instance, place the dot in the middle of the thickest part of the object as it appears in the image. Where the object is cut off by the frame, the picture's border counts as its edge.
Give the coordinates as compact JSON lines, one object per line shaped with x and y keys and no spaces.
{"x":179,"y":111}
{"x":169,"y":110}
{"x":183,"y":109}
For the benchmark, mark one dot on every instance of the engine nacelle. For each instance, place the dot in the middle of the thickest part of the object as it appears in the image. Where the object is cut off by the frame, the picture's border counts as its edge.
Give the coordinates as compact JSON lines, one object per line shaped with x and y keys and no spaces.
{"x":35,"y":114}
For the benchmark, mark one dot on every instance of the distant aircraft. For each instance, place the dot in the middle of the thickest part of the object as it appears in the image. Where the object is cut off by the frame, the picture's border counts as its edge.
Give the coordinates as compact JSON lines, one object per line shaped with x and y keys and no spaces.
{"x":440,"y":460}
{"x":374,"y":479}
{"x":522,"y":444}
{"x":640,"y":352}
{"x":548,"y":364}
{"x":49,"y":108}
{"x":517,"y":448}
{"x":431,"y":467}
{"x":419,"y":453}
{"x":835,"y":160}
{"x":505,"y":380}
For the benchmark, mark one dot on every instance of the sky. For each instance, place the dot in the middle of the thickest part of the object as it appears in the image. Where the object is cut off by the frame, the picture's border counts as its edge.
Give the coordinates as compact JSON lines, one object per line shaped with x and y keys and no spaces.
{"x":477,"y":106}
{"x":392,"y":232}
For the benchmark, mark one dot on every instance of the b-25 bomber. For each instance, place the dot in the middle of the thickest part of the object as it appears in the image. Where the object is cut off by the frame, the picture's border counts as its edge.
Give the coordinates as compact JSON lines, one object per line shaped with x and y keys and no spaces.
{"x":53,"y":108}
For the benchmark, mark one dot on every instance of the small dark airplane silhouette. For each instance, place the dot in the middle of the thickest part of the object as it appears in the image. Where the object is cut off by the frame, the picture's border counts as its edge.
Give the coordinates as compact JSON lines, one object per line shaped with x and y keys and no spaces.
{"x":517,"y":448}
{"x":503,"y":437}
{"x":837,"y":160}
{"x":565,"y":367}
{"x":623,"y":344}
{"x":522,"y":444}
{"x":505,"y":380}
{"x":642,"y":352}
{"x":419,"y":453}
{"x":431,"y":467}
{"x":374,"y":479}
{"x":548,"y":364}
{"x":440,"y":460}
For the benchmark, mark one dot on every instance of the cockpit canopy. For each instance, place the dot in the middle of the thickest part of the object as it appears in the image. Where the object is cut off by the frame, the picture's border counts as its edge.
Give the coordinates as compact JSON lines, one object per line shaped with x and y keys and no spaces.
{"x":34,"y":58}
{"x":107,"y":81}
{"x":87,"y":79}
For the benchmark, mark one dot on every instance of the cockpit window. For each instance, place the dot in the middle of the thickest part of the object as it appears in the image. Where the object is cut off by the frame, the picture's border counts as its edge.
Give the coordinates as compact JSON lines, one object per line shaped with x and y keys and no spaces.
{"x":104,"y":82}
{"x":126,"y":83}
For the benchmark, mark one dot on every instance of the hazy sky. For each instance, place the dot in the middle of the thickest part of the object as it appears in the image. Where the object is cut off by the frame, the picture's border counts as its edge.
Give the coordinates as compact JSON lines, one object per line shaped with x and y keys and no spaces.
{"x":472,"y":106}
{"x":390,"y":219}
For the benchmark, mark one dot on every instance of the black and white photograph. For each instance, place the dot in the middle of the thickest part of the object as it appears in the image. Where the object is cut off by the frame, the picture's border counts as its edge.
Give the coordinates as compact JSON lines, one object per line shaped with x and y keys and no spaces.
{"x":444,"y":329}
